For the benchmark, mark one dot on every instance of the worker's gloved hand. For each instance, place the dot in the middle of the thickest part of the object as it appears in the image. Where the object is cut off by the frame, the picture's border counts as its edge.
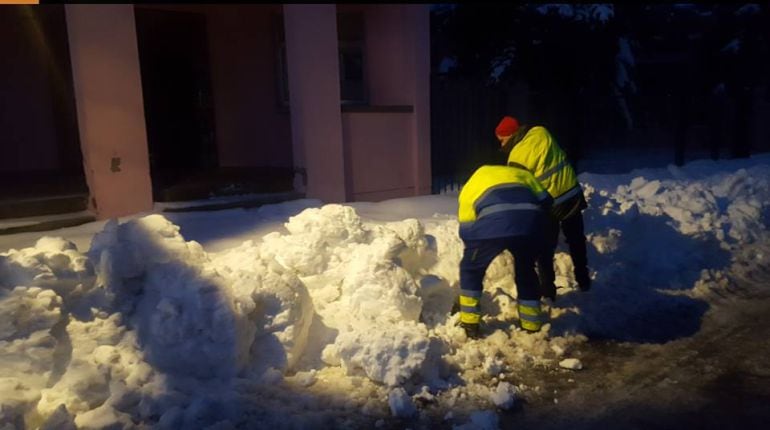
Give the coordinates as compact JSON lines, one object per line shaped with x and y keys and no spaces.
{"x":584,"y":284}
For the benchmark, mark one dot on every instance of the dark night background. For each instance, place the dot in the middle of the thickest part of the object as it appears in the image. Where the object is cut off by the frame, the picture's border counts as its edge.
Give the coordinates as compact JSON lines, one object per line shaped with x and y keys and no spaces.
{"x":620,"y":86}
{"x":691,"y":83}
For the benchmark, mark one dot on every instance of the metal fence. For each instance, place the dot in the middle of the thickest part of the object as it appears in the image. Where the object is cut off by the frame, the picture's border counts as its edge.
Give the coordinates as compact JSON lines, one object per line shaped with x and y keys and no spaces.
{"x":675,"y":128}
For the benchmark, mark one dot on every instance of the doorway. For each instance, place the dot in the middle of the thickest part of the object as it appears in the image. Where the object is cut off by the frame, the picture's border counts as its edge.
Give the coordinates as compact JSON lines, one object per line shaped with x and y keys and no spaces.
{"x":178,"y":102}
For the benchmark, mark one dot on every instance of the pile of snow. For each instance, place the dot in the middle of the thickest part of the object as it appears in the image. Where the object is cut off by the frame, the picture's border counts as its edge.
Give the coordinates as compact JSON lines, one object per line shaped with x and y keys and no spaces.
{"x":338,"y":319}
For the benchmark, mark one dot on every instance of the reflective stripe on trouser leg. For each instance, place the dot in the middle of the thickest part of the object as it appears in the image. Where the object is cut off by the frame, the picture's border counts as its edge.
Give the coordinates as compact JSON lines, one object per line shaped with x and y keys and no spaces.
{"x":470,"y":311}
{"x":530,"y":315}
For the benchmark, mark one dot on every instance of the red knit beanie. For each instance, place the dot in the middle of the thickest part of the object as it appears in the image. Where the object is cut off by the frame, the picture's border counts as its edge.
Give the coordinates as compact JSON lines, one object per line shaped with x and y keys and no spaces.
{"x":507,"y":127}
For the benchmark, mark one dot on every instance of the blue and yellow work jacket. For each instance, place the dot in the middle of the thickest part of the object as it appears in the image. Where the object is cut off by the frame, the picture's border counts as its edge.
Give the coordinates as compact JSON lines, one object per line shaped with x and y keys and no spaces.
{"x":539,"y":153}
{"x":502,"y":201}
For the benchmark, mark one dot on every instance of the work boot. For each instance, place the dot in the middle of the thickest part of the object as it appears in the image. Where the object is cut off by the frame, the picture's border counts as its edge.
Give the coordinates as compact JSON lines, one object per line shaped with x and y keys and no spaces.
{"x":583,"y":280}
{"x":471,"y":330}
{"x":455,"y":306}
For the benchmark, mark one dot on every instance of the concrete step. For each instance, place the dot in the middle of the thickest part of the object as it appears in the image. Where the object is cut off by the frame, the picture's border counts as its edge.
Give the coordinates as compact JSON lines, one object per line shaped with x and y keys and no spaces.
{"x":185,"y":185}
{"x":229,"y":202}
{"x":44,"y":223}
{"x":22,"y":207}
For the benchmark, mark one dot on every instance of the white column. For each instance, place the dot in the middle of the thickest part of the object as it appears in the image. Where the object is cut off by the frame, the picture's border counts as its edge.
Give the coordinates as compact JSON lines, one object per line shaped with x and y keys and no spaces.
{"x":110,"y":109}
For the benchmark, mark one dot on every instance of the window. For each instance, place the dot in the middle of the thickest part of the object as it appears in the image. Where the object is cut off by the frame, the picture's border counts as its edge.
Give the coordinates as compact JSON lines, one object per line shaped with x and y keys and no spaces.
{"x":350,"y":33}
{"x":351,"y":60}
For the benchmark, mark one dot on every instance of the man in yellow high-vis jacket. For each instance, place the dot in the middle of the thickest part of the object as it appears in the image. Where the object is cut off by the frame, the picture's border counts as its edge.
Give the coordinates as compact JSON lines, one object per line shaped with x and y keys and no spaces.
{"x":534,"y":149}
{"x":501,"y":208}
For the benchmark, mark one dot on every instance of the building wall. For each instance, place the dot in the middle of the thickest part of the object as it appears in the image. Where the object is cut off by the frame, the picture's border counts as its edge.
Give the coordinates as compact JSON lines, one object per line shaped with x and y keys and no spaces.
{"x":252,"y":128}
{"x":385,"y":148}
{"x":389,"y":66}
{"x":379,"y":150}
{"x":389,"y":152}
{"x":371,"y":154}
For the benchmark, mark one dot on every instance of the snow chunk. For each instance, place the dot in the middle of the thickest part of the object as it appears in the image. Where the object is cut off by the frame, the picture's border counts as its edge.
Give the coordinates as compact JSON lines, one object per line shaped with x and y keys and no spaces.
{"x":648,"y":190}
{"x":26,"y":310}
{"x":314,"y":233}
{"x":400,"y":403}
{"x":378,"y":289}
{"x":334,"y":224}
{"x":27,"y":347}
{"x":125,"y":253}
{"x":97,"y":357}
{"x":390,"y":357}
{"x":357,"y":278}
{"x":571,"y":363}
{"x":504,"y":396}
{"x":59,"y":420}
{"x":102,"y":417}
{"x":53,"y":263}
{"x":493,"y":365}
{"x":275,"y":305}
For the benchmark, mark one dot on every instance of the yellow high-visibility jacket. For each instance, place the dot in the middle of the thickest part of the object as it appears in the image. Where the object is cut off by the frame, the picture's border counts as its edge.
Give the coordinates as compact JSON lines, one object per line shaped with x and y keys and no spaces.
{"x":502,"y":201}
{"x":539,"y":153}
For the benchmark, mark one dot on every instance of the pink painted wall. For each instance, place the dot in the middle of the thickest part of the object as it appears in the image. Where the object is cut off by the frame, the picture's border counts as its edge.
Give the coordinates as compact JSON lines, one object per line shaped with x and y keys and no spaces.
{"x":27,"y":130}
{"x":418,"y":20}
{"x":108,"y":92}
{"x":379,"y":151}
{"x":252,"y":130}
{"x":398,"y":73}
{"x":314,"y":99}
{"x":389,"y":66}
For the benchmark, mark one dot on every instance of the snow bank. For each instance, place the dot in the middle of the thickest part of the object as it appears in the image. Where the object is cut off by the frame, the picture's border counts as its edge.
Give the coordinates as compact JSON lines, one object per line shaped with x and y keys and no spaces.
{"x":355,"y":275}
{"x":187,"y":315}
{"x":337,"y":320}
{"x":162,"y":312}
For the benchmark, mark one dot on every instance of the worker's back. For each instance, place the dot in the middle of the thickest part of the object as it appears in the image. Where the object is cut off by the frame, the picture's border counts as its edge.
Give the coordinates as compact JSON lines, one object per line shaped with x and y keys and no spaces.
{"x":539,"y":153}
{"x":502,"y":201}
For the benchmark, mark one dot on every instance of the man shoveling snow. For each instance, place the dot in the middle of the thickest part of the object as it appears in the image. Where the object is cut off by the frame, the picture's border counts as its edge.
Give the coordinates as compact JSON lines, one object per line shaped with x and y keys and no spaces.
{"x":501,"y":208}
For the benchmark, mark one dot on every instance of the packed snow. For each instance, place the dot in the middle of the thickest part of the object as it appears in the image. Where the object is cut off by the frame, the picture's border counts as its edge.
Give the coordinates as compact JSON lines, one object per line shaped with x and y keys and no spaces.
{"x":305,"y":315}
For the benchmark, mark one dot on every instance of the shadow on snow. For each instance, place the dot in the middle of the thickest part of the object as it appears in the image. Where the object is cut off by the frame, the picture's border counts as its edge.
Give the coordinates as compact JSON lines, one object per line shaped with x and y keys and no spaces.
{"x":639,"y":294}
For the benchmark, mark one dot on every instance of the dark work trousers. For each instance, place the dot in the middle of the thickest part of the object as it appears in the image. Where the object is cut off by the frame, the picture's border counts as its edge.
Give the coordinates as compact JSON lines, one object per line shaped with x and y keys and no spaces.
{"x":478,"y":254}
{"x":574,"y":233}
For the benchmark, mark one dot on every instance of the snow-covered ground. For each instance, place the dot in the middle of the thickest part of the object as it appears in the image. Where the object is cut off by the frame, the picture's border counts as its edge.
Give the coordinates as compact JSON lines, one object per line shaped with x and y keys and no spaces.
{"x":303,"y":315}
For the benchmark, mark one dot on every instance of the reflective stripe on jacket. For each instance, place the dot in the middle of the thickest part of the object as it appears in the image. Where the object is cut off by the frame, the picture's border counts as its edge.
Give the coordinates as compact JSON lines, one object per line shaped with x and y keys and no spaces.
{"x":502,"y":201}
{"x":539,"y":153}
